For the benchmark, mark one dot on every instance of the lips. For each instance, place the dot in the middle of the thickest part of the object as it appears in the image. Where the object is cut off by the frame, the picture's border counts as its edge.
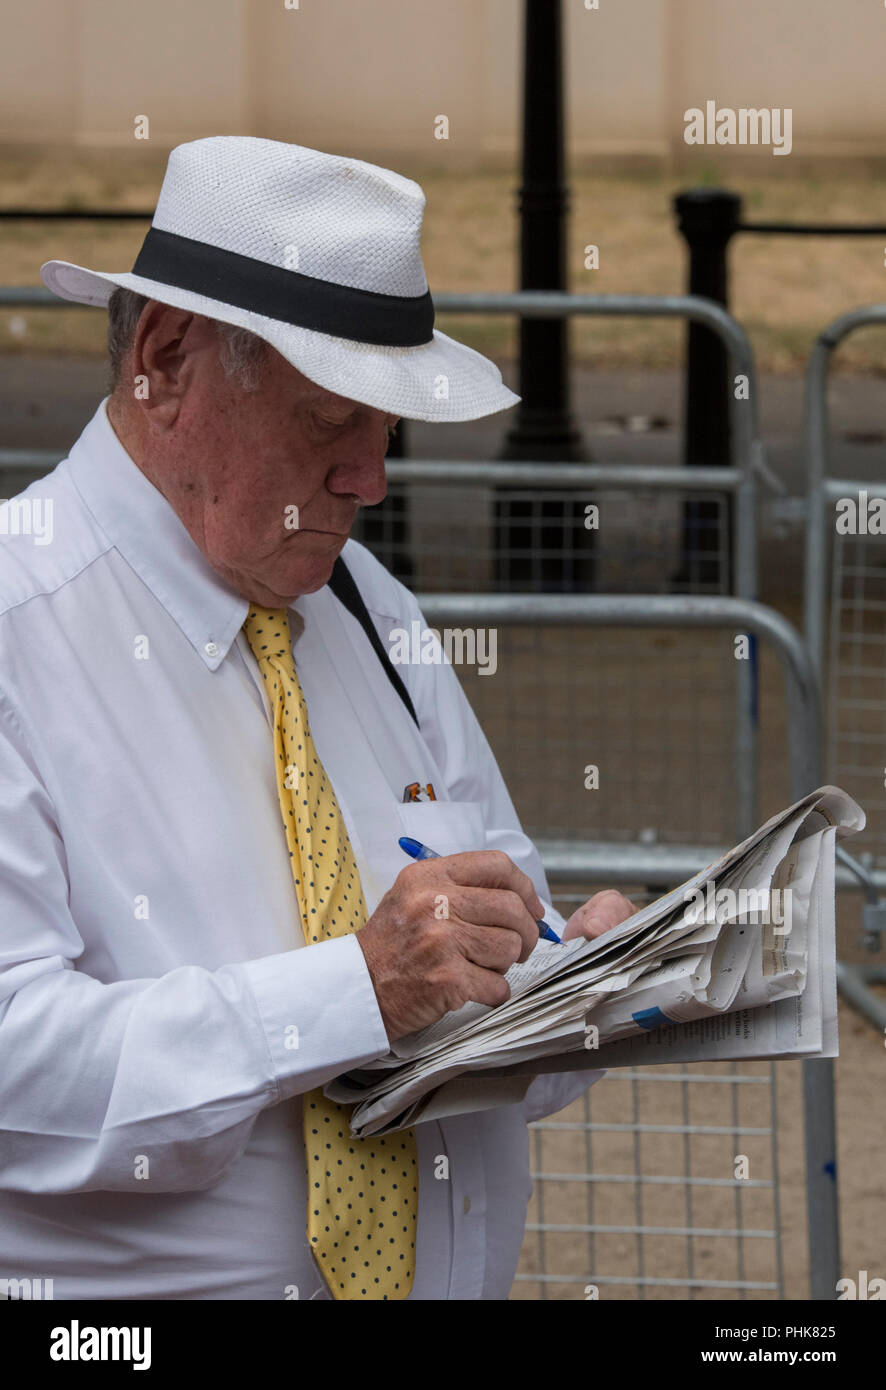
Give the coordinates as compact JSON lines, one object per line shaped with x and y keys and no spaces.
{"x":314,"y":531}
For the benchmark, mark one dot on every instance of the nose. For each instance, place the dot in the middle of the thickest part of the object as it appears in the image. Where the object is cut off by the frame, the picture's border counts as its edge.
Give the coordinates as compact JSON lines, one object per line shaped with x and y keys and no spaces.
{"x":361,"y":473}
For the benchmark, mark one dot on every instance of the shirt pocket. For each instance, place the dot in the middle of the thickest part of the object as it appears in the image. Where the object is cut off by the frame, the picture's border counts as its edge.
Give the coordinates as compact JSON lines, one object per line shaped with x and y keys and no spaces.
{"x":448,"y":827}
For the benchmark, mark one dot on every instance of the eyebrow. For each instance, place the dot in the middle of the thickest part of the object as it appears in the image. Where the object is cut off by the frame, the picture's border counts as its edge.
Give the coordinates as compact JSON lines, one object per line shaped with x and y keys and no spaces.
{"x":319,"y":396}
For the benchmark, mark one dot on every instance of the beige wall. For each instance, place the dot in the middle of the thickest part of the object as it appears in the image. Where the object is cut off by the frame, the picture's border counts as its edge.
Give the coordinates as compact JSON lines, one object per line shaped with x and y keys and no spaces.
{"x":826,"y":59}
{"x":368,"y":77}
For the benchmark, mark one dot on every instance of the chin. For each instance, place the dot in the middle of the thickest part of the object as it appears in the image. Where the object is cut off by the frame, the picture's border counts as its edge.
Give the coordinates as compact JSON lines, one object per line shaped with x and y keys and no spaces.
{"x":305,"y":573}
{"x":312,"y":577}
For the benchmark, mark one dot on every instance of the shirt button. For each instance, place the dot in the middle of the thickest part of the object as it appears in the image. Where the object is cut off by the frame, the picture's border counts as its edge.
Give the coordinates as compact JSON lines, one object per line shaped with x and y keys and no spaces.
{"x":211,"y":649}
{"x":467,"y":1205}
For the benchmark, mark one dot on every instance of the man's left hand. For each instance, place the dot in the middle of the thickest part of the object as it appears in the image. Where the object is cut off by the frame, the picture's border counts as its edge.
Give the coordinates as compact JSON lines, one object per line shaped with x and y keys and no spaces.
{"x":599,"y":914}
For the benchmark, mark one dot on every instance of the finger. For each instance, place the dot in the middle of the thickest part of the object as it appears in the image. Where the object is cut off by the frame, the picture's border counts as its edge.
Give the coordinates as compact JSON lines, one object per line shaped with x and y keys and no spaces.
{"x":604,"y":911}
{"x":492,"y":948}
{"x":491,"y":868}
{"x":484,"y":986}
{"x":491,"y":908}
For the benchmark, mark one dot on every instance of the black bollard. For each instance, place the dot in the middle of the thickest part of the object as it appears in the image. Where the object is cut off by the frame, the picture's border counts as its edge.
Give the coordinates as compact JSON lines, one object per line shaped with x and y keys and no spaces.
{"x":707,"y":218}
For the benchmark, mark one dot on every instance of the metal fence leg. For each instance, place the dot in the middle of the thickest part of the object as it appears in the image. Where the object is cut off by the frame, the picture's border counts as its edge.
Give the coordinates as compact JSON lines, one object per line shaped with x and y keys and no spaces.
{"x":821,"y":1177}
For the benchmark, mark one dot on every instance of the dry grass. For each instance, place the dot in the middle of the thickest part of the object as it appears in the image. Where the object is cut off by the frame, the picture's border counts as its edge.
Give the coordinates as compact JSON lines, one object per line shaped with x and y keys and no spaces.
{"x":784,"y":289}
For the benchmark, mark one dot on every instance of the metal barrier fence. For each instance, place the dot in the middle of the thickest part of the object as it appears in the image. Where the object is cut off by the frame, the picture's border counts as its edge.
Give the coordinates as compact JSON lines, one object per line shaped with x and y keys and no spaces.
{"x":851,"y":648}
{"x":432,"y":539}
{"x":747,"y":457}
{"x":716,"y":1208}
{"x":452,"y":526}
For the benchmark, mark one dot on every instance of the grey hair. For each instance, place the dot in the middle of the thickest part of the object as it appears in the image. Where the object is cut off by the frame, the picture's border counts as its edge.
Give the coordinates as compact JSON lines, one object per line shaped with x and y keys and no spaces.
{"x":241,"y":353}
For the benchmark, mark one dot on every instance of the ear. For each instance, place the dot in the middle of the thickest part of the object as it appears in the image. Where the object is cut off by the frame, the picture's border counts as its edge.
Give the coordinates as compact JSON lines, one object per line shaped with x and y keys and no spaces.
{"x":173,"y":349}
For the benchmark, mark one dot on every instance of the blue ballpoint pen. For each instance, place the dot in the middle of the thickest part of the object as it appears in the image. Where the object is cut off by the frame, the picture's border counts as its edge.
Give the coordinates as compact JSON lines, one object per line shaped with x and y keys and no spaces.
{"x":416,"y":850}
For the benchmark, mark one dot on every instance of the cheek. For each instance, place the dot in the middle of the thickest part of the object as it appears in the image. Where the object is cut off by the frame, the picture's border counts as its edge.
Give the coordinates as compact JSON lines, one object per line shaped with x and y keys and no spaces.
{"x":241,"y":519}
{"x":264,"y":472}
{"x":254,"y":513}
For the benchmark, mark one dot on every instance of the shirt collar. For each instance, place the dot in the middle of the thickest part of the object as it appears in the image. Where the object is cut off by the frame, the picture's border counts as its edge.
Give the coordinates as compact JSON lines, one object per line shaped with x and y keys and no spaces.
{"x":148,"y":533}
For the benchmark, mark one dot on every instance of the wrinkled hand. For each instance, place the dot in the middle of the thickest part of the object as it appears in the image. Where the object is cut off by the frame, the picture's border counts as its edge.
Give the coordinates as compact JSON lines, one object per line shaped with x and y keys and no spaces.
{"x":447,"y":932}
{"x":599,"y":914}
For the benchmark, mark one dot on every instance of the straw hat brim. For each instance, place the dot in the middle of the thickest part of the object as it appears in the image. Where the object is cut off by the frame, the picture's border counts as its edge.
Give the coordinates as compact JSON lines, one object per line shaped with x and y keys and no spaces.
{"x":442,"y":380}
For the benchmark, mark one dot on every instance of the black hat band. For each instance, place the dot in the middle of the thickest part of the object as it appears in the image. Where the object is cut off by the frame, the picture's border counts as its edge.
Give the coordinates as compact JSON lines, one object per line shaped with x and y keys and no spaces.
{"x":245,"y":283}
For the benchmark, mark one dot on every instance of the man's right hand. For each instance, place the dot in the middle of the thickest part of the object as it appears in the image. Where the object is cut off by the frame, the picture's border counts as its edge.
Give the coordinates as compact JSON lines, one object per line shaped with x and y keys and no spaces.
{"x":424,"y":964}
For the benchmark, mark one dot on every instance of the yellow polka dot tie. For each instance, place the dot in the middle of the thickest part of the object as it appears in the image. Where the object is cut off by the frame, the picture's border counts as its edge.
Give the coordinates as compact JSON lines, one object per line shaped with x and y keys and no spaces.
{"x":362,"y":1193}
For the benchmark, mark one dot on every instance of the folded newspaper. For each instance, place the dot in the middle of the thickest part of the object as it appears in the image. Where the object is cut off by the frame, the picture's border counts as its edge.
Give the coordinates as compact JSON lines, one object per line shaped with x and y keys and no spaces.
{"x":738,"y":962}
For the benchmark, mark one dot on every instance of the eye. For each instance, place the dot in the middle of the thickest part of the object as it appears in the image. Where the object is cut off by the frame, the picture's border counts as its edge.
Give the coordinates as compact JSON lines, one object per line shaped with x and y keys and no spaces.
{"x":328,"y":424}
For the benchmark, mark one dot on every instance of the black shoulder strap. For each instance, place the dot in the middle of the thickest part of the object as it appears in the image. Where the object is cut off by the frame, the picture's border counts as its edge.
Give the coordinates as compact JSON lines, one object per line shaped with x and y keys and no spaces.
{"x":342,"y":584}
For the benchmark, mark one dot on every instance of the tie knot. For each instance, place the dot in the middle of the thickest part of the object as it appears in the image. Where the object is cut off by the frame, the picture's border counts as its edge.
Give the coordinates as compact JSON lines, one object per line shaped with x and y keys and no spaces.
{"x":267,"y":632}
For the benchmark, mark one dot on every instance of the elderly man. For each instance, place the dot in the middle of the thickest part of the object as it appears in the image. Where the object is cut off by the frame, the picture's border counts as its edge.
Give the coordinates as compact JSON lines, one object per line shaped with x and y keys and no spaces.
{"x":205,"y":762}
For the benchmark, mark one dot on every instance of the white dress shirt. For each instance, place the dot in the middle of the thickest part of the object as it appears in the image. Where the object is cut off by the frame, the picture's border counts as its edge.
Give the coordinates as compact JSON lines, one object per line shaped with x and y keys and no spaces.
{"x":152,"y":963}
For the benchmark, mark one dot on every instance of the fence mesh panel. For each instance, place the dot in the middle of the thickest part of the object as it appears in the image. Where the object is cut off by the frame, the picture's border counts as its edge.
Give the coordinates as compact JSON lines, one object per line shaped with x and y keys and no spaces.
{"x":454,"y":537}
{"x":856,"y":690}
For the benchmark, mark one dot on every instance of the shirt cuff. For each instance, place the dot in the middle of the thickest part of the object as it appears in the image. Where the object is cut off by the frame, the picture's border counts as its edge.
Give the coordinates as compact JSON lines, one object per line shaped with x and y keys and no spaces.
{"x":319,"y":1012}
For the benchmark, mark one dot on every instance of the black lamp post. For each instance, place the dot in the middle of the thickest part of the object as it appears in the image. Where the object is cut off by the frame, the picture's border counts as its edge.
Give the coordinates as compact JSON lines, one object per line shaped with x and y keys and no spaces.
{"x":536,"y":540}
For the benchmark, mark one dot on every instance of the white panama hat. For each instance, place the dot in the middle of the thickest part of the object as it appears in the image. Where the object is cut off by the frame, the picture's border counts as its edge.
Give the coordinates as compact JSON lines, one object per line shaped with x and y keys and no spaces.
{"x":317,"y":254}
